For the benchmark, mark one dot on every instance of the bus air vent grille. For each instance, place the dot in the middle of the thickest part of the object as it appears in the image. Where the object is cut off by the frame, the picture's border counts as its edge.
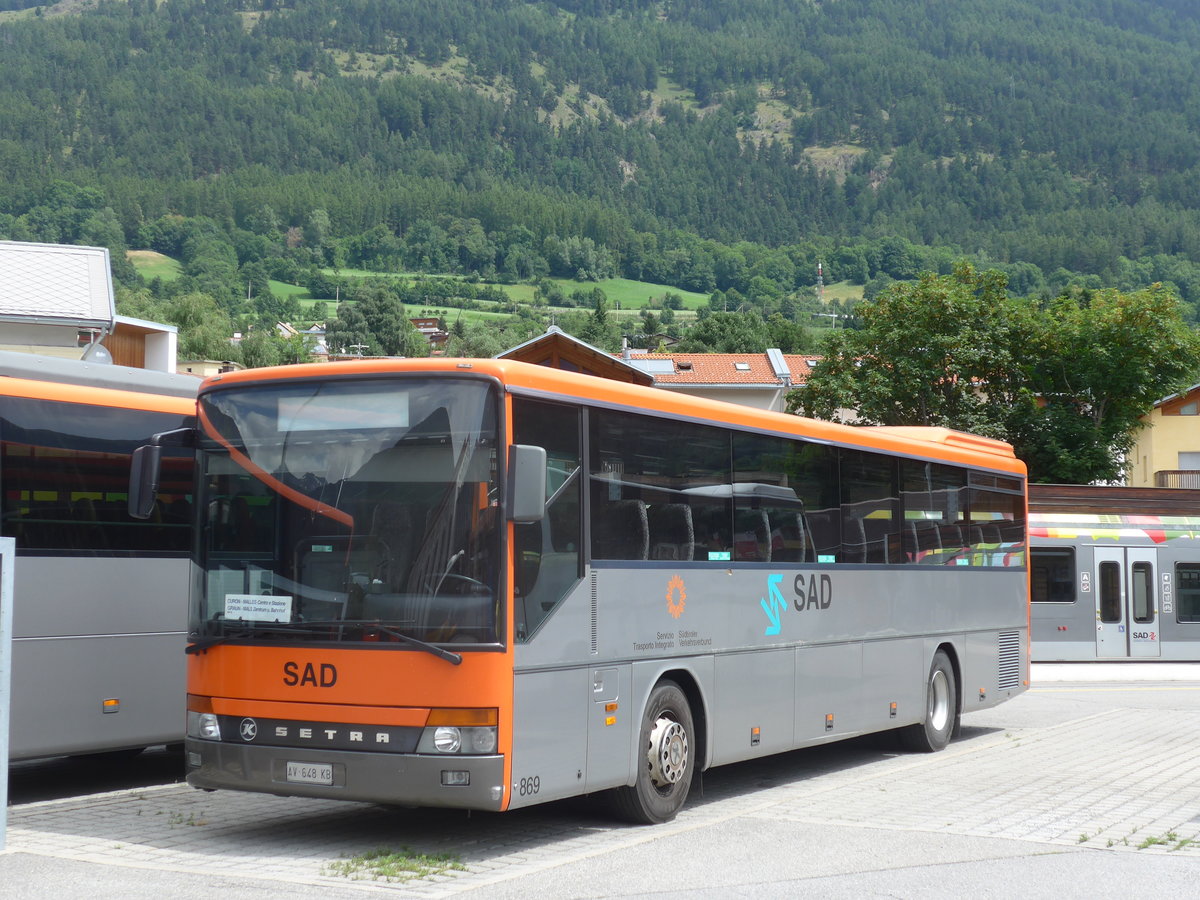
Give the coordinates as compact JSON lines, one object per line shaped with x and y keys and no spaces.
{"x":594,"y":612}
{"x":1010,"y":660}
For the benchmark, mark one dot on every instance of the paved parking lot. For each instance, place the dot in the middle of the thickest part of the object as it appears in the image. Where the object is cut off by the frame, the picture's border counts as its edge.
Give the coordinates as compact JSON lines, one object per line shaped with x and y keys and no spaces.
{"x":1079,"y":788}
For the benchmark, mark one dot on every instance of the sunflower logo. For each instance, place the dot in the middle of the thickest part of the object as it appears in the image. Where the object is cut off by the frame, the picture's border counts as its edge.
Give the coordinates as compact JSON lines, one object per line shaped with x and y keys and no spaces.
{"x":676,"y":596}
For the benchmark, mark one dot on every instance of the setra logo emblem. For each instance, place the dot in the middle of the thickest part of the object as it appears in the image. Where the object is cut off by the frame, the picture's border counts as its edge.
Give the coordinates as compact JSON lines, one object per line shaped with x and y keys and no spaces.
{"x":676,"y":604}
{"x":248,"y":729}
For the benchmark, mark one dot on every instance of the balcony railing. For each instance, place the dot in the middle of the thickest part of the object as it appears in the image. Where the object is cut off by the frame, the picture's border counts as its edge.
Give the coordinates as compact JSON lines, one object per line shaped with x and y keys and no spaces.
{"x":1177,"y":478}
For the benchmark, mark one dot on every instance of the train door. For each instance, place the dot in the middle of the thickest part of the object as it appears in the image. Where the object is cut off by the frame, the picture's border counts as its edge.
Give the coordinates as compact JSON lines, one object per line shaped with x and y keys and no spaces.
{"x":1126,"y":603}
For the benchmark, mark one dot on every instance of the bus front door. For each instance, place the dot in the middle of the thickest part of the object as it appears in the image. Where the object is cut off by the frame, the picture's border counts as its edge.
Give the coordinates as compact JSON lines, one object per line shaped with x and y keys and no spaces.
{"x":1126,"y":603}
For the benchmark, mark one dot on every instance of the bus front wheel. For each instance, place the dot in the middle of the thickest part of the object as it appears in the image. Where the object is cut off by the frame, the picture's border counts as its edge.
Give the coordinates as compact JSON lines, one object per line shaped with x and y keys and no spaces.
{"x":665,"y":760}
{"x":941,"y":710}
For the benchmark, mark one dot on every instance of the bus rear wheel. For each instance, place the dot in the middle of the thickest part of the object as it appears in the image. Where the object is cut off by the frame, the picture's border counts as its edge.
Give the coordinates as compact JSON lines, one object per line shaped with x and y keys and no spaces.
{"x":666,"y":759}
{"x":941,"y":710}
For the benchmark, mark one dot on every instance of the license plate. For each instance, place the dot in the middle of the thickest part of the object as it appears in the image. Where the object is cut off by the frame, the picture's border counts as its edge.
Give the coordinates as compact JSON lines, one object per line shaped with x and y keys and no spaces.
{"x":310,"y":773}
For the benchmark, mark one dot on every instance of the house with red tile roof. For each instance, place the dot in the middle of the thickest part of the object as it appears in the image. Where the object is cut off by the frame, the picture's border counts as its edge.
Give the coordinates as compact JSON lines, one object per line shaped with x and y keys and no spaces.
{"x":760,"y":380}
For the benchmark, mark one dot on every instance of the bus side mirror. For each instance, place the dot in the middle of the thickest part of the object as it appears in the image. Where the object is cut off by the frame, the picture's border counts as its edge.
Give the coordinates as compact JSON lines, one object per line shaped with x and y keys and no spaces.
{"x":526,"y":483}
{"x":144,"y":470}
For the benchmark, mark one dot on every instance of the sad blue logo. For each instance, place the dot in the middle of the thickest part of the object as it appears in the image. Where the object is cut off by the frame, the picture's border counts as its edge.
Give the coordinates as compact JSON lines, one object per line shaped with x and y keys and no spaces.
{"x":774,"y":604}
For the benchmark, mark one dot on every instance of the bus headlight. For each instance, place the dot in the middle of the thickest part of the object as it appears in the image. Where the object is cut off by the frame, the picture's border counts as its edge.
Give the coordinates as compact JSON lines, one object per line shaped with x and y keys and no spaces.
{"x":462,"y":732}
{"x":447,"y":739}
{"x":203,"y":725}
{"x":458,"y":739}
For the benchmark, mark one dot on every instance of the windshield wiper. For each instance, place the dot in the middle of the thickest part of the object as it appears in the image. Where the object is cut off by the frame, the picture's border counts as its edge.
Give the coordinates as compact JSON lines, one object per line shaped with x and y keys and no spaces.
{"x":440,"y":653}
{"x":247,"y":631}
{"x":313,"y":626}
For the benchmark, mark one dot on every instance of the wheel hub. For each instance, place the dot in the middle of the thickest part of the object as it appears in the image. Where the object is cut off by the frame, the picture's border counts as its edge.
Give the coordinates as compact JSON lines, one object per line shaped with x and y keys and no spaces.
{"x":668,"y":752}
{"x":939,"y":700}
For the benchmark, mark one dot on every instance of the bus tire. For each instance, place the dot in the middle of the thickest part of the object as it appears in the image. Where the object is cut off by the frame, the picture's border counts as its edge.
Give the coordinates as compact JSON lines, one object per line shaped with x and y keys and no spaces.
{"x":941,"y":710}
{"x":666,"y":759}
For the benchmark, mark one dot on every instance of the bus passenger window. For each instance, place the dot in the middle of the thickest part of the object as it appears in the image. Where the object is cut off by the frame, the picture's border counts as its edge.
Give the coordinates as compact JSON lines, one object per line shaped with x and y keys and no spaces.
{"x":547,"y":553}
{"x":870,"y":508}
{"x":644,"y":471}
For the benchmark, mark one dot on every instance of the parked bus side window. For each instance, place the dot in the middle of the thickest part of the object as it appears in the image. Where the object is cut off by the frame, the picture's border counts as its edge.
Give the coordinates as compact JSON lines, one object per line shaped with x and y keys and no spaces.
{"x":996,"y":520}
{"x":1052,"y":575}
{"x":769,"y":519}
{"x":547,"y":553}
{"x":812,"y":472}
{"x":1187,"y":592}
{"x":870,"y":508}
{"x":651,"y":475}
{"x":65,"y":474}
{"x":934,"y":498}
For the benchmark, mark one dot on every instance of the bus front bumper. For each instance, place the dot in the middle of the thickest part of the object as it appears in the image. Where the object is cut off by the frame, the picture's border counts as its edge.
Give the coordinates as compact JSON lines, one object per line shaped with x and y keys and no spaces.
{"x":463,"y":782}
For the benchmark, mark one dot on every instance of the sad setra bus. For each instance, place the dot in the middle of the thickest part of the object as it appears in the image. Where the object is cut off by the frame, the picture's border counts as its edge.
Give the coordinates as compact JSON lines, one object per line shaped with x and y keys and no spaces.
{"x":99,"y":617}
{"x":487,"y":584}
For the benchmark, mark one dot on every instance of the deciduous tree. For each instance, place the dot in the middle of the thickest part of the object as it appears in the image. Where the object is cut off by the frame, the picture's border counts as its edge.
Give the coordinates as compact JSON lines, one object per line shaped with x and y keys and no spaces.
{"x":1066,"y":385}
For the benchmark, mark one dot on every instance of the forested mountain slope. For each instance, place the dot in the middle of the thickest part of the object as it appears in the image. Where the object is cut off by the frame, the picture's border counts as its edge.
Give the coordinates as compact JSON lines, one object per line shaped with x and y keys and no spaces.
{"x":637,"y":137}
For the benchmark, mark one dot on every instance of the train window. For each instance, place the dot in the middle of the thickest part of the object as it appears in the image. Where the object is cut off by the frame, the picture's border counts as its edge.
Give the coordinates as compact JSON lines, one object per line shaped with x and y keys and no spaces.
{"x":1110,"y":592}
{"x":1142,"y":586}
{"x":1187,"y":592}
{"x":1052,"y":575}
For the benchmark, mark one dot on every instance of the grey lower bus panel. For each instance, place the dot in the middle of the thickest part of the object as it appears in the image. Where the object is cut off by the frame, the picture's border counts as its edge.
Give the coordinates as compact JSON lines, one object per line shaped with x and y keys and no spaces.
{"x":761,"y":677}
{"x":87,"y":630}
{"x":399,"y":778}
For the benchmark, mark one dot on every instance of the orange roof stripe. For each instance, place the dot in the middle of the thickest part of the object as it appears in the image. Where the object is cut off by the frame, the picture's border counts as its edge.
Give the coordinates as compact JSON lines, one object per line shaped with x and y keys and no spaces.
{"x":95,"y":396}
{"x":932,"y":443}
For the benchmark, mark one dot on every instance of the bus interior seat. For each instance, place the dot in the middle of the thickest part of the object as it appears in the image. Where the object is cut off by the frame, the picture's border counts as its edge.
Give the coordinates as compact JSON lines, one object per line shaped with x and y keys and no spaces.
{"x":752,"y":538}
{"x":854,"y":540}
{"x":824,"y":534}
{"x":951,"y":537}
{"x":921,"y":538}
{"x":391,"y":526}
{"x":790,"y":537}
{"x":621,"y":531}
{"x":671,"y":533}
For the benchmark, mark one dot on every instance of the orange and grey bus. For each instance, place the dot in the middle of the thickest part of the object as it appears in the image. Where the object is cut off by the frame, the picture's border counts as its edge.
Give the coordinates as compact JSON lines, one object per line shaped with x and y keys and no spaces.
{"x":487,"y":584}
{"x":98,"y":623}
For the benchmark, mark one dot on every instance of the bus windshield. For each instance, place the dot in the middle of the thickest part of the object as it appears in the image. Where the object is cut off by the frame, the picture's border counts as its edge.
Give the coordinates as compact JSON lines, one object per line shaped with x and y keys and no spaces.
{"x":350,"y":510}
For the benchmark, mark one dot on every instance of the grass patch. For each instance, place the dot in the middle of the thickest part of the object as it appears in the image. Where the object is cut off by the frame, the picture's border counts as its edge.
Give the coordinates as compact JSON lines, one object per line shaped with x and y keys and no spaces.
{"x":630,"y":294}
{"x":394,"y":865}
{"x":151,"y":265}
{"x":843,"y":290}
{"x":285,"y":290}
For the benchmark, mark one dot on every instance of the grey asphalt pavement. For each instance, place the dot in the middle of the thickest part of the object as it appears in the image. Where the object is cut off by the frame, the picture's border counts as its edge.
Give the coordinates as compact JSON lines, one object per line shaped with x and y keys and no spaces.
{"x":1086,"y":786}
